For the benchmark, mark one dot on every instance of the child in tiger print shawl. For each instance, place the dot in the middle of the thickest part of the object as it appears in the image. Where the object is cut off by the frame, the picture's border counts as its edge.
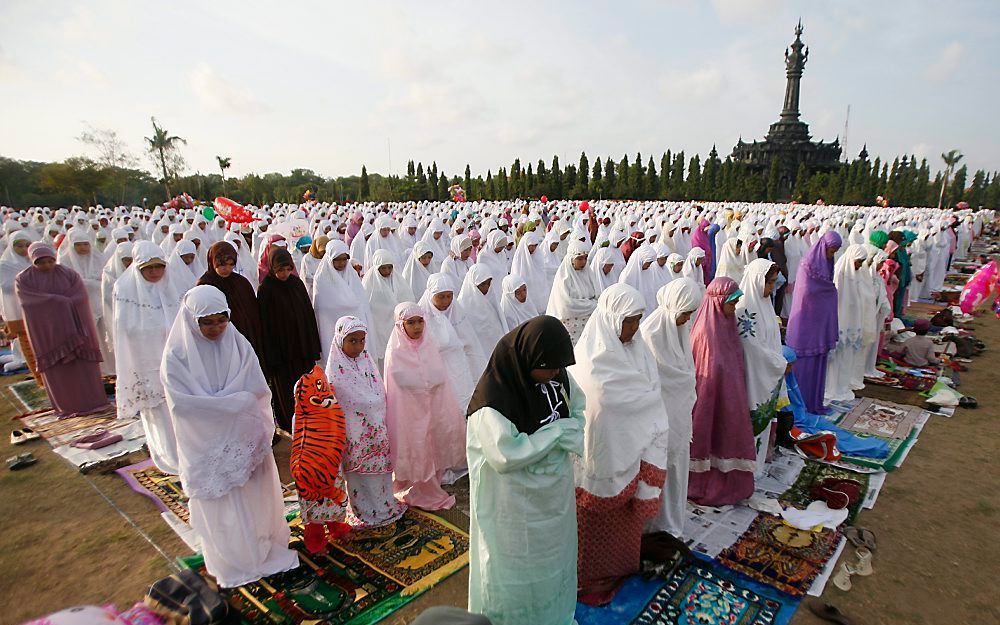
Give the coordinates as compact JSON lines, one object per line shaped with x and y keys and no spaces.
{"x":318,"y":443}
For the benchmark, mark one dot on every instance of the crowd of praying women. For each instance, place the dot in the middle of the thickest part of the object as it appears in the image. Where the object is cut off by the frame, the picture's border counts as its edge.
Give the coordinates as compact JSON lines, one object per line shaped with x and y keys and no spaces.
{"x":591,"y":368}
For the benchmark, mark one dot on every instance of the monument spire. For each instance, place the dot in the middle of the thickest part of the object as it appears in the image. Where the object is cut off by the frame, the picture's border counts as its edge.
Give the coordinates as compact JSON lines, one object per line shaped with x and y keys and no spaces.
{"x":795,"y":63}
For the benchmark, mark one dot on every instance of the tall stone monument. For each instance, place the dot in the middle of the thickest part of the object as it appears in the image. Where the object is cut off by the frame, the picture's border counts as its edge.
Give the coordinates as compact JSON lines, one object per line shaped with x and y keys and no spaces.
{"x":788,"y":141}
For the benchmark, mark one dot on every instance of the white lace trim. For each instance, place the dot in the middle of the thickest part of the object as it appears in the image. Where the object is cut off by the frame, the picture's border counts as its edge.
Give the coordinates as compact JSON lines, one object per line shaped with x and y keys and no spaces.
{"x":703,"y":465}
{"x":226,"y":469}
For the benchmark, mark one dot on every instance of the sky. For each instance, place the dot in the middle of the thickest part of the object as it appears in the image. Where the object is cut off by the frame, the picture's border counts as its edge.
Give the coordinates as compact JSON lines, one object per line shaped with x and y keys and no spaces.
{"x":331,"y":86}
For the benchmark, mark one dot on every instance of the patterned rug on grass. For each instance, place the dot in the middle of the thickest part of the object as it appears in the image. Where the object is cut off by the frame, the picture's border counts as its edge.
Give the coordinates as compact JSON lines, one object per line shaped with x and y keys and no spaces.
{"x":780,"y":555}
{"x":358,"y":581}
{"x":815,"y":472}
{"x":168,"y":494}
{"x":31,"y":396}
{"x":702,"y":592}
{"x":881,"y":418}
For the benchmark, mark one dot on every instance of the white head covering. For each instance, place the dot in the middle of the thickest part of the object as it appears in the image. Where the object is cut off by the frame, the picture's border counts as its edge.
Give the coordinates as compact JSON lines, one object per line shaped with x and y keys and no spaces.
{"x":760,"y":334}
{"x":460,"y":348}
{"x":89,"y":266}
{"x":11,"y":264}
{"x":642,"y":279}
{"x":670,"y":345}
{"x":606,"y":256}
{"x":514,"y":311}
{"x":693,"y":271}
{"x":574,"y":293}
{"x":531,"y":268}
{"x":624,"y":413}
{"x":383,"y":296}
{"x":483,"y":311}
{"x":218,"y":400}
{"x":113,"y":269}
{"x":337,"y":294}
{"x":731,"y":263}
{"x":414,"y":272}
{"x":361,"y":394}
{"x":143,"y":314}
{"x":454,"y":264}
{"x":183,"y":275}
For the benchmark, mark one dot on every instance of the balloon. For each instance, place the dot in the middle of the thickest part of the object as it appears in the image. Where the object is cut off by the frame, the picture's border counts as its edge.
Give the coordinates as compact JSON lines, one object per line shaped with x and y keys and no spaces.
{"x":231,"y":211}
{"x":544,"y":198}
{"x":584,"y":206}
{"x":978,"y":288}
{"x":208,"y":213}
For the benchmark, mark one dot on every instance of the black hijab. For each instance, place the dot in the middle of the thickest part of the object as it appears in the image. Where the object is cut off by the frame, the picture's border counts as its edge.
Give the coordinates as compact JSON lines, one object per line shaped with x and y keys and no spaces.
{"x":507,"y":386}
{"x":244,"y":312}
{"x":290,"y":338}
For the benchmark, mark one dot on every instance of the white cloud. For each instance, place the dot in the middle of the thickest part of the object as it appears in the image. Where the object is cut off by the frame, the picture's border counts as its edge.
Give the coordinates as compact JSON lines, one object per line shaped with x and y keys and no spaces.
{"x":741,"y":10}
{"x":947,"y":65}
{"x":219,"y":95}
{"x":921,"y":150}
{"x":9,"y":70}
{"x":82,"y":72}
{"x":696,"y":85}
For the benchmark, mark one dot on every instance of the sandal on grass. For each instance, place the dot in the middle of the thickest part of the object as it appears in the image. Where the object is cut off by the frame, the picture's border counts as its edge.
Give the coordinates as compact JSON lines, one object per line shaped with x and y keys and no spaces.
{"x":829,"y":612}
{"x":861,"y":537}
{"x":20,"y":461}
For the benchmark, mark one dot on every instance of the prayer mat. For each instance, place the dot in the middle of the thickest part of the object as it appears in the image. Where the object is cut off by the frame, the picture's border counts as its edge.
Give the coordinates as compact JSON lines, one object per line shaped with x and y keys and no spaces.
{"x":165,"y":490}
{"x":347,"y":584}
{"x":700,"y":592}
{"x":881,"y":418}
{"x":780,"y":555}
{"x":798,"y":494}
{"x":898,"y":449}
{"x":167,"y":493}
{"x":31,"y":396}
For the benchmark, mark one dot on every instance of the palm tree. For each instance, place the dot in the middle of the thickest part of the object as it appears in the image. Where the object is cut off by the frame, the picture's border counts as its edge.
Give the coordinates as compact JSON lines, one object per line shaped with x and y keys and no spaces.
{"x":224,"y":164}
{"x":160,"y":145}
{"x":950,"y":159}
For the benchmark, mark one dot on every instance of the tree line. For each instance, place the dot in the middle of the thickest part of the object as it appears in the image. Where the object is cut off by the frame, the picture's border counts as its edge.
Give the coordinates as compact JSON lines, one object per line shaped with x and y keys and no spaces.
{"x":114,"y":178}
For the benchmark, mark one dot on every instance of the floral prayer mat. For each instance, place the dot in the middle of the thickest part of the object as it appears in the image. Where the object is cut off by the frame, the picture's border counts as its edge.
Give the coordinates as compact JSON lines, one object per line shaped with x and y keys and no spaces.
{"x":813,"y":473}
{"x":881,"y":418}
{"x":701,"y":592}
{"x":780,"y":555}
{"x":340,"y":588}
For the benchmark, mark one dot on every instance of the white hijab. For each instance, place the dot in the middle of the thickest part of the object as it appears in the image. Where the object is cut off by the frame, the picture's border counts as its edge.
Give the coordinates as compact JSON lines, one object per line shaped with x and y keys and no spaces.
{"x":218,"y":400}
{"x":89,"y":266}
{"x":454,"y":264}
{"x":456,"y":338}
{"x":483,"y":310}
{"x":606,"y":256}
{"x":11,"y":264}
{"x":183,"y":275}
{"x":514,"y":311}
{"x":531,"y":268}
{"x":855,"y":298}
{"x":383,"y":296}
{"x":574,"y":293}
{"x":624,"y":413}
{"x":760,"y":334}
{"x":641,"y":277}
{"x":337,"y":294}
{"x":670,"y":345}
{"x":113,"y":270}
{"x":143,"y":313}
{"x":414,"y":272}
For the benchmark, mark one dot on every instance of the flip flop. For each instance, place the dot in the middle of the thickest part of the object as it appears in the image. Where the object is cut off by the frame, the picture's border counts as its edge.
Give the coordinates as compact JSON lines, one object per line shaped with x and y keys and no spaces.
{"x":829,"y":612}
{"x":861,"y":537}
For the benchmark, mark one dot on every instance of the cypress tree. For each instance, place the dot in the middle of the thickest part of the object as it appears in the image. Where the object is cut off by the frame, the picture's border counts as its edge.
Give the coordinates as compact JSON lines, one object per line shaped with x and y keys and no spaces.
{"x":583,"y":176}
{"x":652,"y":180}
{"x":597,"y":181}
{"x":773,"y":181}
{"x":609,"y":178}
{"x":364,"y":191}
{"x":693,"y":183}
{"x":664,"y":175}
{"x":801,"y":182}
{"x":468,"y":181}
{"x":555,"y":178}
{"x":677,"y":177}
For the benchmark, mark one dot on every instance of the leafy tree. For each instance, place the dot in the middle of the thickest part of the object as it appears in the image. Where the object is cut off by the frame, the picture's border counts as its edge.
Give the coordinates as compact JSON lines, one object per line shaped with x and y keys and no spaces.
{"x":224,"y":164}
{"x":164,"y":148}
{"x":772,"y":181}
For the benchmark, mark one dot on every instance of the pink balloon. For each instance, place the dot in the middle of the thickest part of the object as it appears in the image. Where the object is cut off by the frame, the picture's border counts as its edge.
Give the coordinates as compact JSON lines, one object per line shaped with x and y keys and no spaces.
{"x":978,"y":289}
